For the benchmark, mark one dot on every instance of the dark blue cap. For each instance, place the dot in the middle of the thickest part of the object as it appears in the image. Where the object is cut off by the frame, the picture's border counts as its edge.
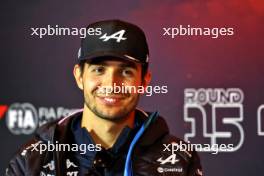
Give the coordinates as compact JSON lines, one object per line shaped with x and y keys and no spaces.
{"x":114,"y":38}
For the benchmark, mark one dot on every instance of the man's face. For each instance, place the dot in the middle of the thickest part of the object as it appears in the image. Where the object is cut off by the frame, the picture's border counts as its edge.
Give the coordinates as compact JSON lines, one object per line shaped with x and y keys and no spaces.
{"x":107,"y":73}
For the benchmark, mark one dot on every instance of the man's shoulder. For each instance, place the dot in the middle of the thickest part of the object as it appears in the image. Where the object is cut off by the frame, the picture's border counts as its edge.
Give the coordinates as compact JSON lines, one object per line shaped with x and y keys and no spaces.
{"x":27,"y":155}
{"x":158,"y":143}
{"x":47,"y":131}
{"x":168,"y":145}
{"x":172,"y":144}
{"x":165,"y":153}
{"x":33,"y":153}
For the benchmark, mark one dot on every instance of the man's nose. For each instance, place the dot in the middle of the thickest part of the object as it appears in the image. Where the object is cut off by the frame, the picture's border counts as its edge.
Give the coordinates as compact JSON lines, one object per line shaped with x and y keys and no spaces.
{"x":112,"y":78}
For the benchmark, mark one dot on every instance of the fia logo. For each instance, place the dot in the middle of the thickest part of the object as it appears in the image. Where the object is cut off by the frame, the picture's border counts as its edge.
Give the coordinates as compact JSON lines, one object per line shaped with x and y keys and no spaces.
{"x":118,"y":36}
{"x":22,"y":118}
{"x":171,"y":159}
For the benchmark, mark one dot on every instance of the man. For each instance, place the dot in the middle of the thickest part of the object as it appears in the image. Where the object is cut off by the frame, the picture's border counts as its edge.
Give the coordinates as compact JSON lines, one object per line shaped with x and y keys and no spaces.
{"x":119,"y":139}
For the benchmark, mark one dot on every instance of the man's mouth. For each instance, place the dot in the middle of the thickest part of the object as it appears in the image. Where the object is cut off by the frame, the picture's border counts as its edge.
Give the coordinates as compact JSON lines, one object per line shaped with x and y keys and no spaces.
{"x":111,"y":100}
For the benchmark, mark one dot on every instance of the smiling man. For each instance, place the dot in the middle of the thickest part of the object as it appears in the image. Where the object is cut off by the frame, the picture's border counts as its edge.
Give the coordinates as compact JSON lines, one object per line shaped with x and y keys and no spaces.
{"x":106,"y":114}
{"x":109,"y":136}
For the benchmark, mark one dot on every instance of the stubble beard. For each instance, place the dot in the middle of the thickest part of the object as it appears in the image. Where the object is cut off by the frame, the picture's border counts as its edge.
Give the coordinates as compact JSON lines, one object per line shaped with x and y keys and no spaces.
{"x":122,"y":115}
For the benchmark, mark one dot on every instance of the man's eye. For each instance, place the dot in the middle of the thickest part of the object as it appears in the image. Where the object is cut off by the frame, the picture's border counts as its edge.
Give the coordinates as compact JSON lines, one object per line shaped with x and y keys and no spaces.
{"x":98,"y":70}
{"x":127,"y":73}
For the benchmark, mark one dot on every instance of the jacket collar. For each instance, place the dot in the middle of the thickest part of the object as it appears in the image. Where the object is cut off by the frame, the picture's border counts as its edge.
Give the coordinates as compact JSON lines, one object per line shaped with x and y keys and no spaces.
{"x":60,"y":130}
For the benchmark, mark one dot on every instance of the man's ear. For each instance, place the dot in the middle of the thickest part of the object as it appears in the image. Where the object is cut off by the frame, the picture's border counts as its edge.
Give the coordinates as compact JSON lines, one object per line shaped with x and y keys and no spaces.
{"x":78,"y":76}
{"x":147,"y":79}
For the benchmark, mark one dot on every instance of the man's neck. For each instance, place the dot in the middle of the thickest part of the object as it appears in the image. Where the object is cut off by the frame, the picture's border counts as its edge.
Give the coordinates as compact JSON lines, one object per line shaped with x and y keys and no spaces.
{"x":103,"y":131}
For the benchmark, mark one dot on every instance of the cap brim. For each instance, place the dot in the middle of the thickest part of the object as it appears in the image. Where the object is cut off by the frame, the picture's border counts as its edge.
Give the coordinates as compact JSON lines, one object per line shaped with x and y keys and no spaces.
{"x":111,"y":55}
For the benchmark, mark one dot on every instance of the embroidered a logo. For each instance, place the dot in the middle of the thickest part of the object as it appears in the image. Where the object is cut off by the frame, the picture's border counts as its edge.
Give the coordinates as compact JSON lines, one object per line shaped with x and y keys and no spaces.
{"x":171,"y":159}
{"x":118,"y":36}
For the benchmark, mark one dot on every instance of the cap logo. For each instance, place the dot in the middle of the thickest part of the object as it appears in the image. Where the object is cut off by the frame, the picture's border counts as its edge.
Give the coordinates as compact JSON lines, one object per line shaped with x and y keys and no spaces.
{"x":118,"y":36}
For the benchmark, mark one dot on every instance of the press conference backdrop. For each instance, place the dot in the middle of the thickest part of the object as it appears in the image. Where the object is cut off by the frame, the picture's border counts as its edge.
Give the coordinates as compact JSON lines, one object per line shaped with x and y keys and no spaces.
{"x":214,"y":78}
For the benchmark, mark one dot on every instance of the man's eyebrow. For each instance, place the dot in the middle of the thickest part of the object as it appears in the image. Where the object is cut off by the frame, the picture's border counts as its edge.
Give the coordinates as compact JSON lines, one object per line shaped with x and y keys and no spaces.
{"x":129,"y":64}
{"x":122,"y":65}
{"x":96,"y":62}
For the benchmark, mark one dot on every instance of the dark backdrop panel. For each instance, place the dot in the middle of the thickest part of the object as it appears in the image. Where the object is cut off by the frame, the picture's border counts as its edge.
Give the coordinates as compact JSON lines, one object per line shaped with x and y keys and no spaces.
{"x":39,"y":71}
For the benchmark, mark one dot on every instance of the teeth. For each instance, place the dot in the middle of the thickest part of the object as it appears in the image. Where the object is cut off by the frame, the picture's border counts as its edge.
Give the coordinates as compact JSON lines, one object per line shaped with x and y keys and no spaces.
{"x":111,"y":100}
